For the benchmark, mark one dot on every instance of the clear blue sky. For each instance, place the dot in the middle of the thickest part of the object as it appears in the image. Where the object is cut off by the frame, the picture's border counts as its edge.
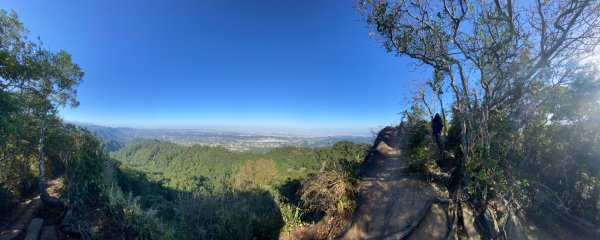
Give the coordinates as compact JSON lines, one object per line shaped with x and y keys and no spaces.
{"x":150,"y":63}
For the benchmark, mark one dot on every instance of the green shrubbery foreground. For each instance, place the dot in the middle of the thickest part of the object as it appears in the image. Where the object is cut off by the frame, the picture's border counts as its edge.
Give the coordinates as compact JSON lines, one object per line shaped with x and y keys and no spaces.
{"x":133,"y":206}
{"x":547,"y":158}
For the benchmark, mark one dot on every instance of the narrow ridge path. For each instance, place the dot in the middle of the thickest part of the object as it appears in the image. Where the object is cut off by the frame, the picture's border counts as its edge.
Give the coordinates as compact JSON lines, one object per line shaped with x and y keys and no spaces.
{"x":389,"y":198}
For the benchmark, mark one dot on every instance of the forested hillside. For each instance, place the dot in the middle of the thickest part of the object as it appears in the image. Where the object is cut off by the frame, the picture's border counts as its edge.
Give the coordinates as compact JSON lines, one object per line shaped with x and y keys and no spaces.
{"x":160,"y":190}
{"x":220,"y":193}
{"x":190,"y":168}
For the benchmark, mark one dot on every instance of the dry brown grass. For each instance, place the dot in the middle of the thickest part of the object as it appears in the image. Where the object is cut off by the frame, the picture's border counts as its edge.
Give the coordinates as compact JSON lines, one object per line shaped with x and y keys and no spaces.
{"x":333,"y":193}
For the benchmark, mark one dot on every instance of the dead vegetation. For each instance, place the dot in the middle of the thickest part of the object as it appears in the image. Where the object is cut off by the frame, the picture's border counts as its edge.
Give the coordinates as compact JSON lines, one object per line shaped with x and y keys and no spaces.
{"x":332,"y":194}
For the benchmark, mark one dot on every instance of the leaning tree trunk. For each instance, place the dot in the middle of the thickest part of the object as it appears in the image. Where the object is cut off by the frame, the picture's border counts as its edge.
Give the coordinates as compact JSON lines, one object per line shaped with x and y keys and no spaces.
{"x":44,"y":196}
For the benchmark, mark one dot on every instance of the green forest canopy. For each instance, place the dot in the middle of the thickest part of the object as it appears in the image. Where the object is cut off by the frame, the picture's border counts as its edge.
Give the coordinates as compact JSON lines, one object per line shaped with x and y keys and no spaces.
{"x":189,"y":168}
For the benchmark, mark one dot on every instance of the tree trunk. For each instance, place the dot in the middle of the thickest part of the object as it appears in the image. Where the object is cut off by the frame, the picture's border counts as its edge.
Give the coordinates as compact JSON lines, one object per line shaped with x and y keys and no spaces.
{"x":444,"y":128}
{"x":485,"y":132}
{"x":44,"y":196}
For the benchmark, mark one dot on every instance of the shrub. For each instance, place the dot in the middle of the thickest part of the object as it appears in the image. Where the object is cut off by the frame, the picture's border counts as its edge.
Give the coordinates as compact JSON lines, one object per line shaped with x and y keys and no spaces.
{"x":453,"y":140}
{"x":332,"y":191}
{"x":292,"y":216}
{"x":17,"y":179}
{"x":585,"y":199}
{"x":487,"y":181}
{"x":85,"y":171}
{"x":7,"y":199}
{"x":415,"y":141}
{"x":250,"y":214}
{"x":256,"y":174}
{"x":350,"y":154}
{"x":128,"y":219}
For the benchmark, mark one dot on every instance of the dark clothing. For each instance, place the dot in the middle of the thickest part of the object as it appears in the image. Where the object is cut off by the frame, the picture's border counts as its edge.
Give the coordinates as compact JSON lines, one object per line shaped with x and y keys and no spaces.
{"x":437,"y":124}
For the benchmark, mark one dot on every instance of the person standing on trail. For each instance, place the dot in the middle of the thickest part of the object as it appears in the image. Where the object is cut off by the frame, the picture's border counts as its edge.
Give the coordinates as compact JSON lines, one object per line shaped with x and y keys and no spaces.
{"x":436,"y":125}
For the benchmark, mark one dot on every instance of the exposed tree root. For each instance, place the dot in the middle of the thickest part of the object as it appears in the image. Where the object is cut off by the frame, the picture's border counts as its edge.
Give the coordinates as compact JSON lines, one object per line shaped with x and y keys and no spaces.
{"x":453,"y":223}
{"x":50,"y":201}
{"x":455,"y":187}
{"x":415,"y":223}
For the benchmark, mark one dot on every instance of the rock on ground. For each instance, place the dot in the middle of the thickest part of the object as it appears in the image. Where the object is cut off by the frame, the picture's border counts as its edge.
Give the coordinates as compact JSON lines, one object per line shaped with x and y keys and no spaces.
{"x":33,"y":231}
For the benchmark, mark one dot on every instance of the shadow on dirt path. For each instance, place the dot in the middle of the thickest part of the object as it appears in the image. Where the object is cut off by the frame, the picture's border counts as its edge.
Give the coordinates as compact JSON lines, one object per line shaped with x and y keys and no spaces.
{"x":389,"y":199}
{"x":15,"y":224}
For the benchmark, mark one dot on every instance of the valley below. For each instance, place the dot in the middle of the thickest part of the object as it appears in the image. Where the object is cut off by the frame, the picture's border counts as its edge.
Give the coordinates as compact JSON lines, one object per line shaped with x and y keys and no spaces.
{"x":256,"y":142}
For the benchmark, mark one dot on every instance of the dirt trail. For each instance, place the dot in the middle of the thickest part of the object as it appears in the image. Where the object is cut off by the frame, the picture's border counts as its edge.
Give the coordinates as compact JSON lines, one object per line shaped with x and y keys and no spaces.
{"x":389,"y":198}
{"x":15,"y":224}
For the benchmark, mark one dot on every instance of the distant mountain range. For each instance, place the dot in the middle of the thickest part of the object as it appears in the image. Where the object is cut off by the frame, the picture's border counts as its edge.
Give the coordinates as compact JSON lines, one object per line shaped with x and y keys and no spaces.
{"x":116,"y":138}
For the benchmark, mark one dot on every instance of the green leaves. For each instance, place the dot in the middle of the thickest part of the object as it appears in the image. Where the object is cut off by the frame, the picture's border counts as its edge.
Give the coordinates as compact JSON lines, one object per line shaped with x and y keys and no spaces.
{"x":180,"y":165}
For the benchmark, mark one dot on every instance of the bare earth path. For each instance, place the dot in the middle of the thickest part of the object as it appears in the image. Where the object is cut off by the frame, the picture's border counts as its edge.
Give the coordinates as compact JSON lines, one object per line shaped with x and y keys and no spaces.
{"x":389,"y":198}
{"x":15,"y":223}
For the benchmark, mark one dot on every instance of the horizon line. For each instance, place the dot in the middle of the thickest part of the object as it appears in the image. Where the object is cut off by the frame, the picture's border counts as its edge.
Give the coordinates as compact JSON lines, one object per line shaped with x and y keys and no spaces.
{"x":250,"y":128}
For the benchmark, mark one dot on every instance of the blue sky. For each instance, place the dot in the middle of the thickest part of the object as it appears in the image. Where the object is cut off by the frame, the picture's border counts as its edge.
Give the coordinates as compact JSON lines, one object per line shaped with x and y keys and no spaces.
{"x":282,"y":64}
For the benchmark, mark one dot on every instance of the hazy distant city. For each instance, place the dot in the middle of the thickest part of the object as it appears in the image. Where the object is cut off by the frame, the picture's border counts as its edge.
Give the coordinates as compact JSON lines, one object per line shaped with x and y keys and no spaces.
{"x":236,"y":141}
